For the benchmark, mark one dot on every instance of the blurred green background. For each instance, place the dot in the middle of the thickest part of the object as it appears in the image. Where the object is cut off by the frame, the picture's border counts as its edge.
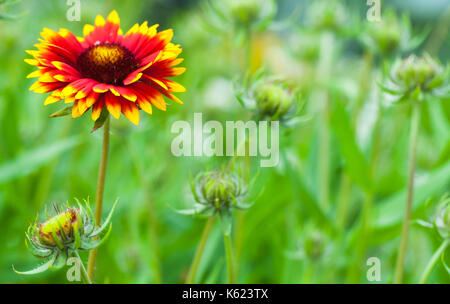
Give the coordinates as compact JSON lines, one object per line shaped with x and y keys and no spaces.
{"x":44,"y":161}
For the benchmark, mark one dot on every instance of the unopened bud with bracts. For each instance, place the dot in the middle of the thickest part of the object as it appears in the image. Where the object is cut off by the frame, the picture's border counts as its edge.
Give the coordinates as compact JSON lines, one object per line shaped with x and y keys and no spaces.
{"x":314,"y":246}
{"x":61,"y":235}
{"x":414,"y":77}
{"x":270,"y":98}
{"x":239,"y":18}
{"x":219,"y":190}
{"x":326,"y":15}
{"x":274,"y":100}
{"x":245,"y":11}
{"x":390,"y":35}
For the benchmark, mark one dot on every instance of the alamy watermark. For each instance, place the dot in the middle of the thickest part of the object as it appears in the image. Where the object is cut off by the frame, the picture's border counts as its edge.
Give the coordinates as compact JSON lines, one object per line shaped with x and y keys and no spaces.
{"x":74,"y":11}
{"x":374,"y":11}
{"x":374,"y":271}
{"x":208,"y":139}
{"x":74,"y":272}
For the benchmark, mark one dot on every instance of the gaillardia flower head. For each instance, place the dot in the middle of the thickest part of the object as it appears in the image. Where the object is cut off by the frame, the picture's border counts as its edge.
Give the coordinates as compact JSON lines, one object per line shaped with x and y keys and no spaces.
{"x":60,"y":236}
{"x":107,"y":70}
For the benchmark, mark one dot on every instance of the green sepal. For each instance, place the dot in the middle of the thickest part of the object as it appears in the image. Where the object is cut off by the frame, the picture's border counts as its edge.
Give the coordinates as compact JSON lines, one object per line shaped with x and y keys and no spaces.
{"x":37,"y":250}
{"x":90,"y":225}
{"x":104,"y":226}
{"x":82,"y":216}
{"x":38,"y":269}
{"x":101,"y":120}
{"x":64,"y":112}
{"x":200,"y":210}
{"x":76,"y":234}
{"x":388,"y":90}
{"x":91,"y":244}
{"x":60,"y":260}
{"x":57,"y":240}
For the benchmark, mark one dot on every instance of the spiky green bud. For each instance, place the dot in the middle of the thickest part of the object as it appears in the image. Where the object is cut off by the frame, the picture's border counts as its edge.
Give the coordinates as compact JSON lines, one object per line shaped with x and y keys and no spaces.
{"x":386,"y":35}
{"x":414,"y":76}
{"x":273,"y":100}
{"x":326,"y":15}
{"x":219,"y":189}
{"x":60,"y":235}
{"x":314,"y":246}
{"x":245,"y":11}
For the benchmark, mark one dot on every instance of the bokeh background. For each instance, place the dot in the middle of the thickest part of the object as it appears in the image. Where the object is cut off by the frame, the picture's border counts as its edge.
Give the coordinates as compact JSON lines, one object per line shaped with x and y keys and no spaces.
{"x":282,"y":238}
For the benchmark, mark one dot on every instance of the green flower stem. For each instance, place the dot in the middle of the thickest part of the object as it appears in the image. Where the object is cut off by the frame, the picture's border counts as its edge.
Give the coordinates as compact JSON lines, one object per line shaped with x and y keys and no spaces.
{"x":198,"y":254}
{"x":323,"y":76}
{"x":84,"y":273}
{"x":415,"y":119}
{"x":99,"y":193}
{"x":229,"y":257}
{"x":434,"y":259}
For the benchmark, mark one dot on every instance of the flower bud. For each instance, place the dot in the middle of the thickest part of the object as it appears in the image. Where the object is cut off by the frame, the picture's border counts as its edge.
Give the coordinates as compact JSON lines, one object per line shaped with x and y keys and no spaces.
{"x":273,"y":100}
{"x":314,"y":246}
{"x":59,"y":236}
{"x":416,"y":71}
{"x":58,"y":228}
{"x":415,"y":76}
{"x":219,"y":188}
{"x":245,"y":11}
{"x":326,"y":15}
{"x":386,"y":35}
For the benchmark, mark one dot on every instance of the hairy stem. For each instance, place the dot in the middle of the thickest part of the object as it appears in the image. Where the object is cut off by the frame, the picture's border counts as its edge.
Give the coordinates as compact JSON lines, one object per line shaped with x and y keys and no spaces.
{"x":434,"y":259}
{"x":198,"y":254}
{"x":415,"y":119}
{"x":229,"y":257}
{"x":99,"y":194}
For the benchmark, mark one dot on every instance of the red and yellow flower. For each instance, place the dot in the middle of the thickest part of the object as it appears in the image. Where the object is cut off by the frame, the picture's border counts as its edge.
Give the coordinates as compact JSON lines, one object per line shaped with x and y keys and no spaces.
{"x":107,"y":69}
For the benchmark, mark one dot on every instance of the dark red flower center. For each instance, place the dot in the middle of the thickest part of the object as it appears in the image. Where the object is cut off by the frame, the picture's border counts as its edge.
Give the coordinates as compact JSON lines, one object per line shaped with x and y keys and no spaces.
{"x":107,"y":63}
